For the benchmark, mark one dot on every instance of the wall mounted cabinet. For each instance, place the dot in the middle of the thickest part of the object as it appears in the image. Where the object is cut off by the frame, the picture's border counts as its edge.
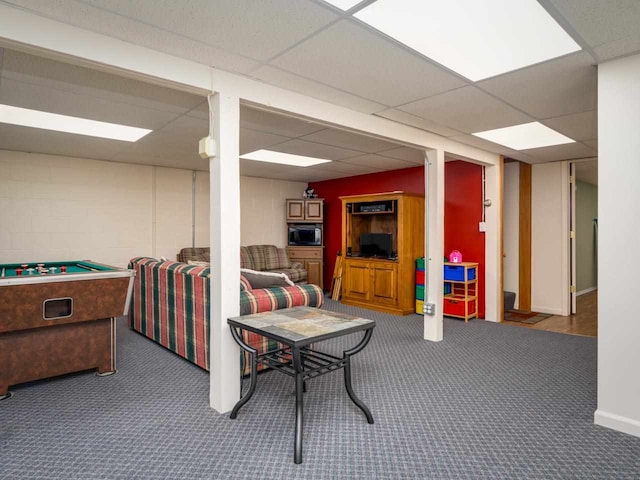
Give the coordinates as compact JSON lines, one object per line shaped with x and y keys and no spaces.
{"x":301,"y":210}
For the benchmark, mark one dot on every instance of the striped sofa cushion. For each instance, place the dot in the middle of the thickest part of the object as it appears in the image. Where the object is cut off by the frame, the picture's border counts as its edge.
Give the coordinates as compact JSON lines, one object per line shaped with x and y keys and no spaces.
{"x":275,"y":298}
{"x":170,"y":305}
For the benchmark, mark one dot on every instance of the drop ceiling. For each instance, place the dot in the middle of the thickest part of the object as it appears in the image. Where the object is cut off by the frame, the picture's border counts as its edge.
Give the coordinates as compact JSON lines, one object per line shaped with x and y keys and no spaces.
{"x":310,"y":47}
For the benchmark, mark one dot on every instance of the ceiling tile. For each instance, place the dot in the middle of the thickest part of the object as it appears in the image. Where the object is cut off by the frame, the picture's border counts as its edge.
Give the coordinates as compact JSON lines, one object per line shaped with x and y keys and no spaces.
{"x":43,"y":72}
{"x":354,"y":59}
{"x":349,"y":140}
{"x":257,"y":30}
{"x":405,"y":153}
{"x":568,"y":151}
{"x":311,"y":88}
{"x":188,"y":162}
{"x":252,"y":140}
{"x":485,"y":145}
{"x":552,"y":89}
{"x":591,"y":143}
{"x":278,"y":124}
{"x":379,"y":162}
{"x":317,"y":150}
{"x":599,"y":22}
{"x":66,"y":103}
{"x":579,"y":126}
{"x":347,"y":169}
{"x":187,"y":126}
{"x":36,"y":140}
{"x":468,"y":110}
{"x":421,"y":123}
{"x":85,"y":16}
{"x":619,"y":48}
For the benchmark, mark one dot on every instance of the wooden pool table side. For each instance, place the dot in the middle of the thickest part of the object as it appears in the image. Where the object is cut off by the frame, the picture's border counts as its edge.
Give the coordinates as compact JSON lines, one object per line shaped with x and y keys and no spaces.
{"x":32,"y":348}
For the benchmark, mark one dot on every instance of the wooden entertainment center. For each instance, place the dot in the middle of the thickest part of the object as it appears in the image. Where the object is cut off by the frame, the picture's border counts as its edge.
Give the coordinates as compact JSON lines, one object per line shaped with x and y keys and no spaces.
{"x":382,"y":276}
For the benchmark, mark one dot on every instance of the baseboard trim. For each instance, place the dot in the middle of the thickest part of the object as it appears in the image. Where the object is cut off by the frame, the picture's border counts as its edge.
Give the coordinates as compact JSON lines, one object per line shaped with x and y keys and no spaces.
{"x":617,"y":422}
{"x":552,"y":311}
{"x":586,"y":290}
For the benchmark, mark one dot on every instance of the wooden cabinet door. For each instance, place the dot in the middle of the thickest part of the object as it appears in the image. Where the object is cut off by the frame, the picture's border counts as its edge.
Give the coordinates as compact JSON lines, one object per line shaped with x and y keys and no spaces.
{"x":384,"y":283}
{"x":295,"y":210}
{"x":314,"y":271}
{"x":313,"y":210}
{"x":357,"y":281}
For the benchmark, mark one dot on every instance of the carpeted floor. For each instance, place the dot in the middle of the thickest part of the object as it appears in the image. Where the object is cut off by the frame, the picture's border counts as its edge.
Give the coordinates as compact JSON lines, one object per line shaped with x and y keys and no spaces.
{"x":525,"y":317}
{"x":490,"y":401}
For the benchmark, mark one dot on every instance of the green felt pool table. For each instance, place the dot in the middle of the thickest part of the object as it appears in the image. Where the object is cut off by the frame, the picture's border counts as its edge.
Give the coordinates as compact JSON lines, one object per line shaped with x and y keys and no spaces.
{"x":58,"y":318}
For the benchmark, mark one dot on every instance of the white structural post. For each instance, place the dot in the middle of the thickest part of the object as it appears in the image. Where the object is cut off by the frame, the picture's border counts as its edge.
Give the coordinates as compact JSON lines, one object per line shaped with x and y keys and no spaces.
{"x":493,"y":247}
{"x":618,"y":253}
{"x":224,"y":227}
{"x":434,"y":212}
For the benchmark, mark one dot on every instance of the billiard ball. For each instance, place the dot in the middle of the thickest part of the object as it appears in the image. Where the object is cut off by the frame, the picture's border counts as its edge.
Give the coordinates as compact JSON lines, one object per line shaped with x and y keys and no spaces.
{"x":63,"y":269}
{"x":18,"y":271}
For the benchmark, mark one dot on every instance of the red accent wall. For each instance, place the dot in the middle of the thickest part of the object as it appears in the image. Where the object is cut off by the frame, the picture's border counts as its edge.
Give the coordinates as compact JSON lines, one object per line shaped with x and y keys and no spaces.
{"x":463,"y":210}
{"x":406,"y":180}
{"x":462,"y":213}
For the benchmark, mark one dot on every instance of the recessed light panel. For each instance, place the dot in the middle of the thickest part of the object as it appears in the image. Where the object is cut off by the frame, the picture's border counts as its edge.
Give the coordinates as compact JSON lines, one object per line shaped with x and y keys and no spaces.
{"x":525,"y":136}
{"x":63,"y":123}
{"x":283,"y":158}
{"x":343,"y":4}
{"x":477,"y":39}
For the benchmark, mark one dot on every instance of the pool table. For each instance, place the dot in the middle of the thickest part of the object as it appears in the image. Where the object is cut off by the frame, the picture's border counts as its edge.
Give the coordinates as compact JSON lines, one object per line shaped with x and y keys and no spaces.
{"x":59,"y":317}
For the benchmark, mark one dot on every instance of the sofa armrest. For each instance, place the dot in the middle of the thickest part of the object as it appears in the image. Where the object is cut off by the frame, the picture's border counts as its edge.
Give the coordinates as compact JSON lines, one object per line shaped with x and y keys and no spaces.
{"x":275,"y":298}
{"x":297,"y":266}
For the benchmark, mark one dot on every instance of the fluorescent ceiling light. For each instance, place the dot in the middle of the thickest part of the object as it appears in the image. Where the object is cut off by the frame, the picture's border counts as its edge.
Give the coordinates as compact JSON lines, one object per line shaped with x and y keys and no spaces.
{"x":283,"y":158}
{"x":343,"y":4}
{"x":477,"y":39}
{"x":63,"y":123}
{"x":525,"y":136}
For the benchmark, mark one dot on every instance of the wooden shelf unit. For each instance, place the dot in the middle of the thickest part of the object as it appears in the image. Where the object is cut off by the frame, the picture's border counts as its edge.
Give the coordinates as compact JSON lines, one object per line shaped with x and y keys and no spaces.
{"x":311,"y":258}
{"x":462,"y":299}
{"x":385,"y":284}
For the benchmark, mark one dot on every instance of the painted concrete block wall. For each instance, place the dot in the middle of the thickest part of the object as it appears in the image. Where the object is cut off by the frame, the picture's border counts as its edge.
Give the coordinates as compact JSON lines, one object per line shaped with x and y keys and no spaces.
{"x":62,"y":208}
{"x":618,"y":233}
{"x":173,"y":213}
{"x":202,"y":209}
{"x":586,"y":237}
{"x":511,"y":227}
{"x":262,"y":205}
{"x":549,"y":237}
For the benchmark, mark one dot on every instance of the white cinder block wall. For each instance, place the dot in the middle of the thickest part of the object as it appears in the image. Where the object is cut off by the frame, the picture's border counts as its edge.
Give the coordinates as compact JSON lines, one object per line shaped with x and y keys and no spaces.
{"x":63,"y":208}
{"x":263,"y":213}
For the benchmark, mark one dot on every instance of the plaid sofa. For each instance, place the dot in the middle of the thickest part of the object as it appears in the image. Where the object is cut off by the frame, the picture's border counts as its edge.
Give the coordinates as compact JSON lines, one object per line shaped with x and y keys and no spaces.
{"x":256,"y":257}
{"x":170,"y":305}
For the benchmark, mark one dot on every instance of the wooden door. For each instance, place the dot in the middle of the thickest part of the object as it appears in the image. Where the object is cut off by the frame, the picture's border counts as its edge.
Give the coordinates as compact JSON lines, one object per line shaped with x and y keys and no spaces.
{"x":356,"y":281}
{"x":385,"y":283}
{"x":314,"y":271}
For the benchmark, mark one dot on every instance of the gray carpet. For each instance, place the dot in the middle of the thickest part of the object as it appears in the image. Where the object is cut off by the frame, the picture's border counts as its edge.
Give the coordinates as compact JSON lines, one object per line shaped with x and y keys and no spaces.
{"x":490,"y":401}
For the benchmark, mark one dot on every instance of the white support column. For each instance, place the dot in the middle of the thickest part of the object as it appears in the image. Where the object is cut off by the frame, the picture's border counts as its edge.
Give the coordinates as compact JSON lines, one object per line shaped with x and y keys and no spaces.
{"x":434,"y":212}
{"x":224,"y":225}
{"x":493,"y":295}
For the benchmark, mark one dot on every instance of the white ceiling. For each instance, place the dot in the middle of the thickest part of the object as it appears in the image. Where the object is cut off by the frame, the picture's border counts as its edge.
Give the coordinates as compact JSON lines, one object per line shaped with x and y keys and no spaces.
{"x":313,"y":48}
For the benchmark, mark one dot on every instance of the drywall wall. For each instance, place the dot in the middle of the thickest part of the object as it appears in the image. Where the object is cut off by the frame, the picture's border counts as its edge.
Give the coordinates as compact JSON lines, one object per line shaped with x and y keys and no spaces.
{"x":618,"y":233}
{"x":511,"y":228}
{"x":202,"y":209}
{"x":172,"y":216}
{"x":462,"y":215}
{"x":263,"y":214}
{"x":549,"y":238}
{"x":586,"y":237}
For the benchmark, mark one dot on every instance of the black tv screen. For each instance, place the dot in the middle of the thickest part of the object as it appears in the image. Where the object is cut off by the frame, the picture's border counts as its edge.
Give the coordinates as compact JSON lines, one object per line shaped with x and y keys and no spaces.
{"x":376,"y":245}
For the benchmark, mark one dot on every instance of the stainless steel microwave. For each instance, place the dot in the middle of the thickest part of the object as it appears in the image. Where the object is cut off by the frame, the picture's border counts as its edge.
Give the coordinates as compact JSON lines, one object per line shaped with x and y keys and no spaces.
{"x":305,"y":235}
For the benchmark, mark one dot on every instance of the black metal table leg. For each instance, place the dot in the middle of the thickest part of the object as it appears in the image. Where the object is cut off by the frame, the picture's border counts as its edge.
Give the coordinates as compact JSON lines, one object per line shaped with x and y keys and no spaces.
{"x":297,"y":365}
{"x":254,"y":372}
{"x":347,"y":354}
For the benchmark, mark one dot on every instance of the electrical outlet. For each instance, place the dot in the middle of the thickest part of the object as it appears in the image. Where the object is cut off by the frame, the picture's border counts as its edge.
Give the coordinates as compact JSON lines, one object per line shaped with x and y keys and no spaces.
{"x":430,"y":308}
{"x":482,"y":226}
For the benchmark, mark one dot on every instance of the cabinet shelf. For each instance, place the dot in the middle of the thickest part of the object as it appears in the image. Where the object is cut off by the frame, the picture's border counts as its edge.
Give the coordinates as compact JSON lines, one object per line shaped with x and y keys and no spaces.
{"x":462,"y":301}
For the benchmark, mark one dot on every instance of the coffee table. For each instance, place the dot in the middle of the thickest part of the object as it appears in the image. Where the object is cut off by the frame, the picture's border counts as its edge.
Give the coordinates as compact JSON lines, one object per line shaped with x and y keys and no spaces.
{"x":297,"y":328}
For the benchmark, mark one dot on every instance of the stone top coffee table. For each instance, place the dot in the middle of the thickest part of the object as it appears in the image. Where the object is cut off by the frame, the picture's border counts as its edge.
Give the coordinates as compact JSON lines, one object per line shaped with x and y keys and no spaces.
{"x":297,"y":328}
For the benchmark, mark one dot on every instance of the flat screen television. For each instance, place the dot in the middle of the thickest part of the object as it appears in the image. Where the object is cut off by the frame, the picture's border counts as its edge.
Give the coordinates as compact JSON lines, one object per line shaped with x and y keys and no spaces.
{"x":376,"y":245}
